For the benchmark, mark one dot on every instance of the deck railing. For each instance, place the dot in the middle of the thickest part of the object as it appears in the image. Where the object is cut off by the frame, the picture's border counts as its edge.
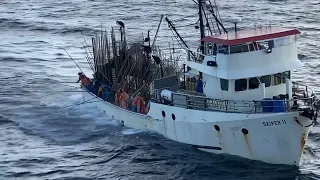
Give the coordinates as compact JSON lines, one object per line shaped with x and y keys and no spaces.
{"x":191,"y":101}
{"x":194,"y":56}
{"x":303,"y":93}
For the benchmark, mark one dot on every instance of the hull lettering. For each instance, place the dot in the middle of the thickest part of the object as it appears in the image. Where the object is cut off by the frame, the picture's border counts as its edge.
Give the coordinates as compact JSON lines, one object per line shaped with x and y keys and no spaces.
{"x":274,"y":123}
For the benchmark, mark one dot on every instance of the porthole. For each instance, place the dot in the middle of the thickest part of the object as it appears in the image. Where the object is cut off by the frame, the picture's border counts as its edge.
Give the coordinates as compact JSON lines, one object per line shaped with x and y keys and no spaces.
{"x":217,"y":127}
{"x":245,"y":131}
{"x":173,"y":117}
{"x":163,"y":114}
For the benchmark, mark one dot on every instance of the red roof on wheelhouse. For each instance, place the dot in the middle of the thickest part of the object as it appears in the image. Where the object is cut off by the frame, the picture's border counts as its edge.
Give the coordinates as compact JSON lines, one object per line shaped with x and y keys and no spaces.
{"x":252,"y":35}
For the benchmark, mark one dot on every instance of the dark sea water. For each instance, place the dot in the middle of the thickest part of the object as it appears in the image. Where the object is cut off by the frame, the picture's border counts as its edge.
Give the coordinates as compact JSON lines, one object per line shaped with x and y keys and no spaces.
{"x":41,"y":138}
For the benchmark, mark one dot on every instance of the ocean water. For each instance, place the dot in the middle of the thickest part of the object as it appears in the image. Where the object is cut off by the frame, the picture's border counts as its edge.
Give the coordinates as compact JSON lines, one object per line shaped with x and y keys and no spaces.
{"x":43,"y":136}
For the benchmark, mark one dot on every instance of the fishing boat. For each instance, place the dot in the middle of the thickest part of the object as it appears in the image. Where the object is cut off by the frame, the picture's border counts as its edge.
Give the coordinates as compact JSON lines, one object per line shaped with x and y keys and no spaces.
{"x":234,"y":95}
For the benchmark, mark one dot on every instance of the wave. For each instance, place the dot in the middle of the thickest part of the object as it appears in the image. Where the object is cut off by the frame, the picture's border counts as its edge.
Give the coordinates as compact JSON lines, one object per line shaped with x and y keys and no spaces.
{"x":4,"y":120}
{"x":53,"y":27}
{"x":25,"y":162}
{"x":133,"y":131}
{"x":13,"y":59}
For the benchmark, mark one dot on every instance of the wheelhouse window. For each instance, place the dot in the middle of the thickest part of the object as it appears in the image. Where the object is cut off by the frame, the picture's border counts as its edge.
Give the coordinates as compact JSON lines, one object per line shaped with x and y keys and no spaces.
{"x":241,"y":85}
{"x":266,"y":80}
{"x":287,"y":74}
{"x":210,"y":49}
{"x":223,"y":49}
{"x":252,"y":47}
{"x":271,"y":44}
{"x":265,"y":44}
{"x":278,"y":79}
{"x":224,"y":84}
{"x":239,"y":48}
{"x":253,"y":83}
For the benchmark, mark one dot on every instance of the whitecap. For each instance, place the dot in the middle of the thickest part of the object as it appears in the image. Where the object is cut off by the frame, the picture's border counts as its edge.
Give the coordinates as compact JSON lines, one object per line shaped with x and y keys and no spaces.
{"x":133,"y":131}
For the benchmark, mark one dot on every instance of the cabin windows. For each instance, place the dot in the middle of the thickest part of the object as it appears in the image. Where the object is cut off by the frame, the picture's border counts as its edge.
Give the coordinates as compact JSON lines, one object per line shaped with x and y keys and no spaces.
{"x":271,"y":44}
{"x":280,"y":78}
{"x":287,"y":75}
{"x":211,"y":49}
{"x":223,"y":49}
{"x":253,"y":83}
{"x":239,"y":48}
{"x":277,"y":78}
{"x":240,"y":85}
{"x":224,"y":84}
{"x":247,"y":47}
{"x":265,"y":45}
{"x":262,"y":45}
{"x":266,"y":80}
{"x":255,"y":46}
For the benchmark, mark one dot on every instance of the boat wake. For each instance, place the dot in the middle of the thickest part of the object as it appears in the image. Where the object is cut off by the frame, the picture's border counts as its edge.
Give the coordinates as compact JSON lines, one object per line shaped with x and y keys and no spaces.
{"x":133,"y":131}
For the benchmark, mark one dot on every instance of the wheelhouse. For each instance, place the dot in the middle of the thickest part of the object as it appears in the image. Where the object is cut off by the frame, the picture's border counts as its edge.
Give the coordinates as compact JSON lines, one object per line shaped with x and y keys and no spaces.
{"x":251,"y":40}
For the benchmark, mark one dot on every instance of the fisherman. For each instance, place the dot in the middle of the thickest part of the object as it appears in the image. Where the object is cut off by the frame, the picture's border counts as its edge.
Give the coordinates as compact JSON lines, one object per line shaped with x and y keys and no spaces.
{"x":135,"y":102}
{"x":123,"y":99}
{"x":141,"y":106}
{"x":106,"y":92}
{"x":117,"y":97}
{"x":101,"y":91}
{"x":96,"y":87}
{"x":85,"y":81}
{"x":81,"y":78}
{"x":199,"y":88}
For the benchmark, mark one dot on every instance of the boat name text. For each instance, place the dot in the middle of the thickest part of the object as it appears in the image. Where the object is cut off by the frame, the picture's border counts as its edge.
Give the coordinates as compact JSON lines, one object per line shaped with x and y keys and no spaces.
{"x":274,"y":123}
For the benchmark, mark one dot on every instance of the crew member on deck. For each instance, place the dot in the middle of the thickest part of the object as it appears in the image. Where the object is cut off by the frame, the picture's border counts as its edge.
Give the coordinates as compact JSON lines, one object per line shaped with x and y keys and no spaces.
{"x":117,"y":97}
{"x":141,"y":106}
{"x":85,"y":81}
{"x":106,"y":92}
{"x":138,"y":104}
{"x":81,"y":77}
{"x":123,"y":99}
{"x":135,"y":103}
{"x":199,"y":88}
{"x":96,"y":87}
{"x":101,"y":91}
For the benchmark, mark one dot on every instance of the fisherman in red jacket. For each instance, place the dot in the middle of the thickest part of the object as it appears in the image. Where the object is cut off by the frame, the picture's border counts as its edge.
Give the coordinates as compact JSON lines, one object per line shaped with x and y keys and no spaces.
{"x":85,"y":81}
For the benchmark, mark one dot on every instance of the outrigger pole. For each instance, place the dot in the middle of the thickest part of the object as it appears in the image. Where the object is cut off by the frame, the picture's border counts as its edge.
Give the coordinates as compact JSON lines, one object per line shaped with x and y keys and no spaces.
{"x":73,"y":60}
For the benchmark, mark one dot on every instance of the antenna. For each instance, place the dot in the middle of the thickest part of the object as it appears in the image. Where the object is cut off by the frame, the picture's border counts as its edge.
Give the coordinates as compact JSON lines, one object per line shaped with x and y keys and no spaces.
{"x":235,"y":21}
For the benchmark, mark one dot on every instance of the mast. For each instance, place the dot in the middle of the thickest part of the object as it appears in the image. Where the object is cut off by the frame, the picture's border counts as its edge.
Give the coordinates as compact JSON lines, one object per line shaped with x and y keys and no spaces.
{"x":202,"y":35}
{"x":201,"y":31}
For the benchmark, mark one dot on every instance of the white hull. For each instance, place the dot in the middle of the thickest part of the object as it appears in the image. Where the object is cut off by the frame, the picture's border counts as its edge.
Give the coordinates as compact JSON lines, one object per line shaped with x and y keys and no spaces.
{"x":275,"y":138}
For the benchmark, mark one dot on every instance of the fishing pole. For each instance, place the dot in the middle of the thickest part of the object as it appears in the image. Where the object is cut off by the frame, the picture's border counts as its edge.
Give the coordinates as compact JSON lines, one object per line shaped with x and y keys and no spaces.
{"x":73,"y":60}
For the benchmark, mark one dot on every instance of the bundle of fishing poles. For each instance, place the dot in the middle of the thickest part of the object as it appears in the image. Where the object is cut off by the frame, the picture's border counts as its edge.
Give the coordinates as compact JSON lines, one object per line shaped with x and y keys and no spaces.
{"x":130,"y":67}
